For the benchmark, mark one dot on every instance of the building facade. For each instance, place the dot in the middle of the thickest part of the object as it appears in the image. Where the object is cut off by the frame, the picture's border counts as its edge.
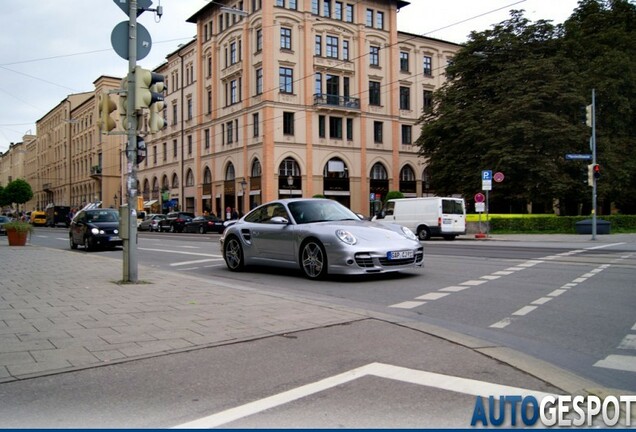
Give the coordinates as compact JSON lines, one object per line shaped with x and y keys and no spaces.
{"x":305,"y":98}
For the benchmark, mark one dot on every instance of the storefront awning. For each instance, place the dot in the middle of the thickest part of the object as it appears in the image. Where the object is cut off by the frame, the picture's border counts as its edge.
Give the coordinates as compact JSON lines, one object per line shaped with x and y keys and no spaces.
{"x":150,"y":203}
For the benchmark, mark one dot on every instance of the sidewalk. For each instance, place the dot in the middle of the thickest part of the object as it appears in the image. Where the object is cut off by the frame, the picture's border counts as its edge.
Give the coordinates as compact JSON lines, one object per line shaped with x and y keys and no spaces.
{"x":53,"y":320}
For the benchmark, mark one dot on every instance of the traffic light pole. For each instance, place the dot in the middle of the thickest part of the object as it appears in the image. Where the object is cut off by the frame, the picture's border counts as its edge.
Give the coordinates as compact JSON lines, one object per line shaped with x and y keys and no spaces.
{"x":593,"y":145}
{"x":130,"y":244}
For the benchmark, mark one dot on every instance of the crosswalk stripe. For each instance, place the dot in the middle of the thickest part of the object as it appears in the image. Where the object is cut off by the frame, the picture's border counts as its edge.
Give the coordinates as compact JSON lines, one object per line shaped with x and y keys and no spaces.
{"x":618,"y":362}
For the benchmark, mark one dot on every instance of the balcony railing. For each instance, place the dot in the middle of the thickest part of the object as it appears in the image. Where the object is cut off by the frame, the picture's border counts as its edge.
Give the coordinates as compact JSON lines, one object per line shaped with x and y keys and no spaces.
{"x":346,"y":102}
{"x":96,"y":170}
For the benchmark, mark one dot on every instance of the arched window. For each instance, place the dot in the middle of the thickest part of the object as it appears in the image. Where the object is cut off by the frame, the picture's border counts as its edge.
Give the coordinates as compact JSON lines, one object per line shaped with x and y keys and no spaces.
{"x":289,"y":167}
{"x":407,"y":174}
{"x":256,"y":168}
{"x":229,"y":172}
{"x":407,"y":180}
{"x":378,"y":172}
{"x":336,"y":167}
{"x":164,"y":182}
{"x":207,"y":176}
{"x":189,"y":178}
{"x":175,"y":181}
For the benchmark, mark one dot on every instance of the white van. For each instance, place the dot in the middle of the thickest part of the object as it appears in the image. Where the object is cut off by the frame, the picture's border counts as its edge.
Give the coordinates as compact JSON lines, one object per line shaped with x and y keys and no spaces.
{"x":427,"y":217}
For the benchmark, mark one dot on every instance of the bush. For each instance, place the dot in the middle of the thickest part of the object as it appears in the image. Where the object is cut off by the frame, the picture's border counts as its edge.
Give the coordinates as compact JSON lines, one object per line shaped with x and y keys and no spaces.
{"x":18,"y":226}
{"x":549,"y":224}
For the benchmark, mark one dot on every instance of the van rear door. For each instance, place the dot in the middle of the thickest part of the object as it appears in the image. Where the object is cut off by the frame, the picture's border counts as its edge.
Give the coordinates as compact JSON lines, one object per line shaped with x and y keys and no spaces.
{"x":453,"y":216}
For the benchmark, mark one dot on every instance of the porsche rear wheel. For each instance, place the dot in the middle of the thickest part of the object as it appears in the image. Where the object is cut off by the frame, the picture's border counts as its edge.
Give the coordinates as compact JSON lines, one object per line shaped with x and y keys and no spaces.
{"x":313,"y":259}
{"x":233,"y":254}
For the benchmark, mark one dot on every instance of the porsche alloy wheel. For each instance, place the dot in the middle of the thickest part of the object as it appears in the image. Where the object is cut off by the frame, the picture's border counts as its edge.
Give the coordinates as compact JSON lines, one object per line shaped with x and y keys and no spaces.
{"x":233,"y":254}
{"x":313,"y":260}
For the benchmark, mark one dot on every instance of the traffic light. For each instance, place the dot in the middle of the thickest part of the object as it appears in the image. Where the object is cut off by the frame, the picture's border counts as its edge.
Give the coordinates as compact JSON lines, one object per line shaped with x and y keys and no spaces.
{"x":156,"y":121}
{"x":588,"y":115}
{"x":105,"y":106}
{"x":145,"y":83}
{"x":122,"y":105}
{"x":141,"y":150}
{"x":590,"y":174}
{"x":597,"y":171}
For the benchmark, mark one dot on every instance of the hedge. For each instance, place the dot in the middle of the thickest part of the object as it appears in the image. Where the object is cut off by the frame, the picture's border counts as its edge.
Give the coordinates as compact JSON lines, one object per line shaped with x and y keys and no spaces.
{"x":556,"y":224}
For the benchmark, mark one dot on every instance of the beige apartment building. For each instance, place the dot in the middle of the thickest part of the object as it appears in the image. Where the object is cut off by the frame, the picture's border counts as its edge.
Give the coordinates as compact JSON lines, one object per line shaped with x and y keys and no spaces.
{"x":298,"y":98}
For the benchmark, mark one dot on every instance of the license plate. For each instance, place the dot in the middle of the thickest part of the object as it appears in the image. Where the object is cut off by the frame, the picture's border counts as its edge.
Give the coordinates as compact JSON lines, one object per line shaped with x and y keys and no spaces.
{"x":447,"y":221}
{"x":115,"y":238}
{"x":395,"y":255}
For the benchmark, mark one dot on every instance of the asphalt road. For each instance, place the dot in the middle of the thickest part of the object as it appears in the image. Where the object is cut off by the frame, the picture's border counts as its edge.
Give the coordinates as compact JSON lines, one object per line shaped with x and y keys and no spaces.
{"x":566,"y":304}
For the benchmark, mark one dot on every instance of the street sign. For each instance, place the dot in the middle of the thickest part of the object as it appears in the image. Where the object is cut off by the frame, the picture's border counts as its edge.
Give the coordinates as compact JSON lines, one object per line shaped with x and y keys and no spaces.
{"x":486,"y":185}
{"x":480,"y":207}
{"x":480,"y":197}
{"x":120,"y":36}
{"x":571,"y":156}
{"x":142,"y":5}
{"x":498,"y":177}
{"x":486,"y":175}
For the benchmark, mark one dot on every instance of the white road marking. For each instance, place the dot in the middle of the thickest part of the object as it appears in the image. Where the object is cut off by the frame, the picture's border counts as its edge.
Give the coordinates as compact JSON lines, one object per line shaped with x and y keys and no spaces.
{"x":407,"y":305}
{"x":473,"y":282}
{"x":397,"y":373}
{"x":503,"y":273}
{"x":542,"y":300}
{"x":431,"y":296}
{"x":604,"y":246}
{"x":454,"y":288}
{"x":490,"y":277}
{"x":514,"y":269}
{"x":557,"y":292}
{"x":503,"y":323}
{"x":524,"y":310}
{"x":194,"y":262}
{"x":618,"y":362}
{"x":181,"y":252}
{"x":628,"y":342}
{"x":530,"y":263}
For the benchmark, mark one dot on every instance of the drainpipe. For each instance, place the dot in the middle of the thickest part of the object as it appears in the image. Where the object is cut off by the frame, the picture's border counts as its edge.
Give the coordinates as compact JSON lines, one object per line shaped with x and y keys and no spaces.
{"x":182,"y":180}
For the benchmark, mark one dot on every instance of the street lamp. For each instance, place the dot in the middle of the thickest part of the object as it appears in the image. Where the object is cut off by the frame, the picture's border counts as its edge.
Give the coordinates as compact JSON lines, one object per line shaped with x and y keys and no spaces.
{"x":243,"y":186}
{"x":115,"y":197}
{"x":290,"y":183}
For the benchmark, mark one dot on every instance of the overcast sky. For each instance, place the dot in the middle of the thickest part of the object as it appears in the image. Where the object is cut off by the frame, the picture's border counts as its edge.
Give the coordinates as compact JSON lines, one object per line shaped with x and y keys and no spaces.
{"x":52,"y":48}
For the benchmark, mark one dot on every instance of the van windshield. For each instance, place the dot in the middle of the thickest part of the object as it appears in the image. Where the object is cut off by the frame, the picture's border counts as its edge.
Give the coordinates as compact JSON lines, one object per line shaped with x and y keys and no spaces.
{"x":452,"y":207}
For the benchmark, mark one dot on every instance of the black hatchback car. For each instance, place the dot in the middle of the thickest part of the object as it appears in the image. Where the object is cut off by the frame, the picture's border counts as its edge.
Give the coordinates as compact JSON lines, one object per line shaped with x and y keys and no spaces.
{"x":204,"y":224}
{"x":175,"y":221}
{"x":94,"y":228}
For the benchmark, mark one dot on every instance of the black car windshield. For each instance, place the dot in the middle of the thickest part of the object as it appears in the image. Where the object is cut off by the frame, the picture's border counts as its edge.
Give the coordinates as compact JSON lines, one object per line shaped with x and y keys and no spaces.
{"x":102,"y":216}
{"x":320,"y":210}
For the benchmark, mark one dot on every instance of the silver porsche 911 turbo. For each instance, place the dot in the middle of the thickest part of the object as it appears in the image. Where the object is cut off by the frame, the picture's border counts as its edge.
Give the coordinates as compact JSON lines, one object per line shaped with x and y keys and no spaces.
{"x":319,"y":236}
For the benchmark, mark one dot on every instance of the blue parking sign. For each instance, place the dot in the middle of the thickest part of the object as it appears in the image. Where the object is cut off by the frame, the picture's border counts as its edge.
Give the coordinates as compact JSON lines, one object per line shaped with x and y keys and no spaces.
{"x":486,"y":175}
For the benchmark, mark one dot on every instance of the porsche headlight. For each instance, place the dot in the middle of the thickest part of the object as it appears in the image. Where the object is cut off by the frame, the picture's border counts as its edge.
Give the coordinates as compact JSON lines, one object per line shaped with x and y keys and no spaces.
{"x":408,"y":233}
{"x":346,"y":237}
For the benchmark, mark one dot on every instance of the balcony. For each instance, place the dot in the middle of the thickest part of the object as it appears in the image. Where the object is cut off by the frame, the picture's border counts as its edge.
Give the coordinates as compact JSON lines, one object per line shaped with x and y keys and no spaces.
{"x":338,"y":102}
{"x":96,"y":171}
{"x":47,"y":187}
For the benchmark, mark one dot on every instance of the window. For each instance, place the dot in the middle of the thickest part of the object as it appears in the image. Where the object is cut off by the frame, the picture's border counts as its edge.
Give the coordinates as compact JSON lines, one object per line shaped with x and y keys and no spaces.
{"x":233,"y":57}
{"x":318,"y":84}
{"x":332,"y":47}
{"x":255,"y":124}
{"x":209,"y":101}
{"x":377,"y":132}
{"x":337,"y":12}
{"x":189,"y":178}
{"x":174,"y":149}
{"x":209,"y":66}
{"x":175,"y":181}
{"x":206,"y":138}
{"x":369,"y":18}
{"x":229,"y":132}
{"x":335,"y":127}
{"x":234,"y":92}
{"x":321,"y":126}
{"x":318,"y":46}
{"x":428,"y":100}
{"x":405,"y":98}
{"x":406,"y":134}
{"x":379,"y":20}
{"x":164,"y":155}
{"x":314,"y":7}
{"x":286,"y":81}
{"x":189,"y":102}
{"x":374,"y":93}
{"x":189,"y":145}
{"x":285,"y":38}
{"x":428,"y":66}
{"x":174,"y":114}
{"x":154,"y":155}
{"x":326,"y":8}
{"x":256,"y":5}
{"x":345,"y":50}
{"x":280,"y":3}
{"x":292,"y":4}
{"x":404,"y":61}
{"x":236,"y":130}
{"x":259,"y":81}
{"x":374,"y":56}
{"x":259,"y":40}
{"x":349,"y":13}
{"x":288,"y":123}
{"x":350,"y":129}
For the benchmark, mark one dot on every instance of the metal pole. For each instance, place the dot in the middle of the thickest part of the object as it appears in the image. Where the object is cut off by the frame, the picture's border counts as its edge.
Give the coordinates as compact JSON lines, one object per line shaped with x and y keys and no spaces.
{"x":487,"y":212}
{"x":593,"y":141}
{"x":130,"y":245}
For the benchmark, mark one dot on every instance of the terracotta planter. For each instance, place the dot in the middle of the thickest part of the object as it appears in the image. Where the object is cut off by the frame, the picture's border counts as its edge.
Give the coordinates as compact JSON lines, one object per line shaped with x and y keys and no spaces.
{"x":17,"y":238}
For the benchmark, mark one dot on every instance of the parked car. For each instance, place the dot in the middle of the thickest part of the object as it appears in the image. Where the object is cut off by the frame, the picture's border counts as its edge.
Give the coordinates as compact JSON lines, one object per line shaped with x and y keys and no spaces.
{"x":175,"y":221}
{"x":204,"y":224}
{"x":151,"y":223}
{"x":94,"y":228}
{"x":4,"y":220}
{"x":38,"y":218}
{"x":319,"y":236}
{"x":56,"y":215}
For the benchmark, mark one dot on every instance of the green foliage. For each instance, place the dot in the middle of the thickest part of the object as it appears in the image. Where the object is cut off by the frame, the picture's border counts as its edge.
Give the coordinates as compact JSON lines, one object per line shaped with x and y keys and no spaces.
{"x":546,"y":224}
{"x":513,"y":101}
{"x":18,"y":226}
{"x":18,"y":191}
{"x":393,"y":195}
{"x":318,"y":196}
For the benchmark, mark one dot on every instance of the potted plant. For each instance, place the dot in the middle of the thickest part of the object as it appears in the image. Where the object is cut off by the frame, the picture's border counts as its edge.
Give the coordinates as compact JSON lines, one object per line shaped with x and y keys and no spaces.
{"x":17,"y":232}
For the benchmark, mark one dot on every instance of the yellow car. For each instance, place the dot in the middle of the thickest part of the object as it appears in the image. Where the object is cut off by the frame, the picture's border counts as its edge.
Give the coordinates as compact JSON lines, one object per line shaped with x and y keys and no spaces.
{"x":38,"y":218}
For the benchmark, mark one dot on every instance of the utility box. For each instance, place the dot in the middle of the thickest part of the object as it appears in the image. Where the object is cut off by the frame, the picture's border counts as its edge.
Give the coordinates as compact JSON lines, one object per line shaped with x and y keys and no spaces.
{"x":585,"y":226}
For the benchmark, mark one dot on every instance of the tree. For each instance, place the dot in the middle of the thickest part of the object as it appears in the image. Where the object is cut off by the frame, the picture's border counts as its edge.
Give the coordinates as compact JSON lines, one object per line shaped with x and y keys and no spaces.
{"x":600,"y":38}
{"x":18,"y":191}
{"x":512,"y":104}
